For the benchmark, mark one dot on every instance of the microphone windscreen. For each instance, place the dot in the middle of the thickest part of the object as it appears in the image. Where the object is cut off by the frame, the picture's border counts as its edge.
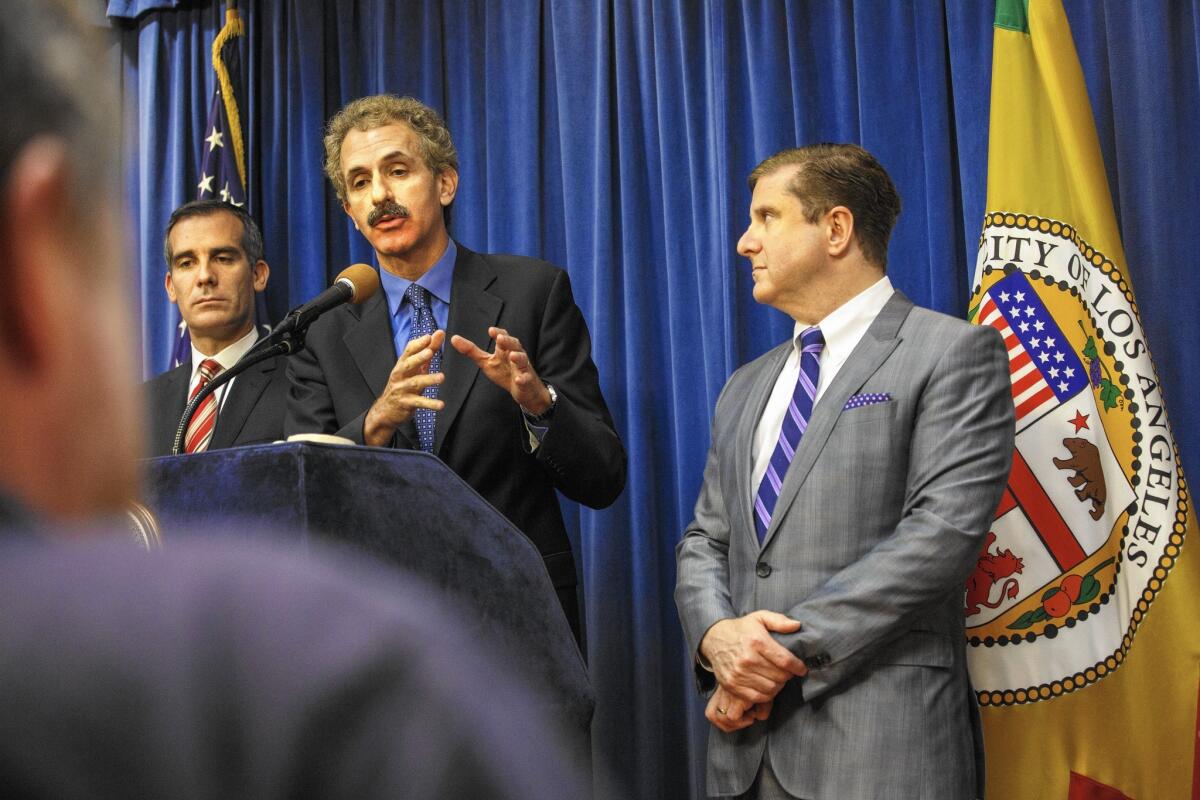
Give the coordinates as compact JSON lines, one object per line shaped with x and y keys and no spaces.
{"x":363,"y":278}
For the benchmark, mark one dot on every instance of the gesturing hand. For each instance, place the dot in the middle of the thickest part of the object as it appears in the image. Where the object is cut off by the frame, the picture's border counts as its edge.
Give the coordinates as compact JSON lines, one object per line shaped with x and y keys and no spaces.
{"x":746,"y":659}
{"x":509,"y":368}
{"x":402,"y":394}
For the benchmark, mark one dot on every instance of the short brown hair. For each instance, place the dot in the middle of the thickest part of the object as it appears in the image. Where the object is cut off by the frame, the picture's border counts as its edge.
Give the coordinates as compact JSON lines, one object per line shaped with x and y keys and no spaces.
{"x":841,"y":175}
{"x":252,"y":240}
{"x":367,"y":113}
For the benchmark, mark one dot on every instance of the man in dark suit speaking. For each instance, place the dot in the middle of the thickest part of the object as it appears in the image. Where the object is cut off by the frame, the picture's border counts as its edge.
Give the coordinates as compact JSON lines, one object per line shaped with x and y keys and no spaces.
{"x":215,"y":266}
{"x":514,"y":404}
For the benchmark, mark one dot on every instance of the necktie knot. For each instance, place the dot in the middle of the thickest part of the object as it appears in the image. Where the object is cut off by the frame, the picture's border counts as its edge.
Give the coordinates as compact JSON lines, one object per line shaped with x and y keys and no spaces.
{"x":209,"y":369}
{"x":418,"y":296}
{"x":812,"y":341}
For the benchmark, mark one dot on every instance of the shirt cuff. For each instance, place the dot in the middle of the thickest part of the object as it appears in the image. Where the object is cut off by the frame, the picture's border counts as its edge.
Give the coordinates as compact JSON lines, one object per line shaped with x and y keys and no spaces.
{"x":536,"y":432}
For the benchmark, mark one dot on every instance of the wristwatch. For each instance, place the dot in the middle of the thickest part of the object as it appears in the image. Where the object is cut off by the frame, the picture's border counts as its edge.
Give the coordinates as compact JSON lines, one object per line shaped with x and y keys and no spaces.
{"x":549,"y":412}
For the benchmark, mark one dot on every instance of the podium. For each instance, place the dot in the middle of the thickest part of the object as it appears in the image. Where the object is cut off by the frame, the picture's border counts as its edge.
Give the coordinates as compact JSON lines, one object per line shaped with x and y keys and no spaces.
{"x":407,"y":508}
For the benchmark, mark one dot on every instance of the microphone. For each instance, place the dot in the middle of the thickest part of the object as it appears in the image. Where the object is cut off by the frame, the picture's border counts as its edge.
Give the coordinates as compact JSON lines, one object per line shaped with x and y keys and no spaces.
{"x":354,"y":284}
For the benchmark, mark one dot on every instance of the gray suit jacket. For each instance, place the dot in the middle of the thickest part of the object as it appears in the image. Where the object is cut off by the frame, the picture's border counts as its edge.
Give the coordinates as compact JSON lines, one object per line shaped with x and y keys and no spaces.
{"x":880,"y":520}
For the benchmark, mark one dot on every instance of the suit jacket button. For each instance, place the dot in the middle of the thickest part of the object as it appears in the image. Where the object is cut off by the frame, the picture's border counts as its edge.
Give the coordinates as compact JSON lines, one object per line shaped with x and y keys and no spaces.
{"x":763,"y":569}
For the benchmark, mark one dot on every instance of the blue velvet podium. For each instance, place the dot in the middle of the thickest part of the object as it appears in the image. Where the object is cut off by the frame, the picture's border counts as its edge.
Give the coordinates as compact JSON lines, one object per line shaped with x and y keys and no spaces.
{"x":407,"y":508}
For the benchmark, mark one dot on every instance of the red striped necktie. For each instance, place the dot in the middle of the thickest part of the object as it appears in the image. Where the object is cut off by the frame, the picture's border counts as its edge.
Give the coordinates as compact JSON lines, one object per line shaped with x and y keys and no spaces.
{"x":200,"y":429}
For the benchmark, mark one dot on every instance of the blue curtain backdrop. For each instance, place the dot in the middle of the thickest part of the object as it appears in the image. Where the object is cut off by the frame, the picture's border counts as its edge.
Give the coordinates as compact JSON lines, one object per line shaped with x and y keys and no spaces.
{"x":614,"y":138}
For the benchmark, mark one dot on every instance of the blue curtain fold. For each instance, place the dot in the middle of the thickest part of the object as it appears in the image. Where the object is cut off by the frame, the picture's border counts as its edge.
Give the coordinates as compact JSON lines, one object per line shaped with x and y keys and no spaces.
{"x":614,"y":139}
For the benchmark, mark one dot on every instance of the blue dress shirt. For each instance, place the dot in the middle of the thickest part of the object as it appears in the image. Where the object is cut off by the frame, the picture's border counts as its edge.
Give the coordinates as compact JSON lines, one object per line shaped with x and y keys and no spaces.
{"x":436,"y":280}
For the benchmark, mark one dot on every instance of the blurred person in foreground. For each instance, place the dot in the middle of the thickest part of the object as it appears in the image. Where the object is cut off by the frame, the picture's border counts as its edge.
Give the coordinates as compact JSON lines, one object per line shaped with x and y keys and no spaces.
{"x":212,"y":668}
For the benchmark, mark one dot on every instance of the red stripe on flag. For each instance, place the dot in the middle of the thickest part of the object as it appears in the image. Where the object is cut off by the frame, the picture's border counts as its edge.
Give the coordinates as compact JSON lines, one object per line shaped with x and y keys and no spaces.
{"x":1018,"y":361}
{"x":1084,"y":788}
{"x":1047,"y":522}
{"x":1007,"y":504}
{"x":1025,"y":382}
{"x":1033,"y":402}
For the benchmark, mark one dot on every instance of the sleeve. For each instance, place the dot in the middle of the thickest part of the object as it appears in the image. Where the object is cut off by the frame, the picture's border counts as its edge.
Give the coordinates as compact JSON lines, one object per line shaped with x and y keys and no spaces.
{"x":310,"y":407}
{"x":702,"y":594}
{"x":961,"y":454}
{"x":580,"y":451}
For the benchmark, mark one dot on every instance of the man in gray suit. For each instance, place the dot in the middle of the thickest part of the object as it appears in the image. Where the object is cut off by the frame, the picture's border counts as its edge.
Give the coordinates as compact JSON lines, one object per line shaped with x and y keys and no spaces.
{"x":851,"y":478}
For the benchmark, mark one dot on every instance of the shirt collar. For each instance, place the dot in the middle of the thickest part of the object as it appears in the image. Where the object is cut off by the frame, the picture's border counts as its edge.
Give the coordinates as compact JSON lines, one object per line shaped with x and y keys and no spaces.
{"x":230,"y":355}
{"x":845,"y":325}
{"x":437,"y":280}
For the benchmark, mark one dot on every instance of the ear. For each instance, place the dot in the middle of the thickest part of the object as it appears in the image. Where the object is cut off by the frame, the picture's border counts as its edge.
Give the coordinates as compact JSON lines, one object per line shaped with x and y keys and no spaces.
{"x":36,"y":257}
{"x":346,"y":208}
{"x":261,"y":272}
{"x":447,"y":185}
{"x":169,"y":285}
{"x":839,"y":230}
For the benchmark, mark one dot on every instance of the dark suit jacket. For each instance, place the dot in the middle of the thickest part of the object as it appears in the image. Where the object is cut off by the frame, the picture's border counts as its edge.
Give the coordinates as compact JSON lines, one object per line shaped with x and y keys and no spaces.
{"x":252,"y":413}
{"x":480,"y":433}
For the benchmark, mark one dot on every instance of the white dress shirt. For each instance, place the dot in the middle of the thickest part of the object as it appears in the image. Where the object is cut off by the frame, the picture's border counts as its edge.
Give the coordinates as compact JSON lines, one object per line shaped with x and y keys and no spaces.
{"x":842,"y":330}
{"x":226,"y":358}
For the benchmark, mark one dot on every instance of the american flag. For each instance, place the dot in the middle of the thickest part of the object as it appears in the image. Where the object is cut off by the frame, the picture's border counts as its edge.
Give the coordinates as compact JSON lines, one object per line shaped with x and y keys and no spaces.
{"x":222,"y":153}
{"x":1044,"y":368}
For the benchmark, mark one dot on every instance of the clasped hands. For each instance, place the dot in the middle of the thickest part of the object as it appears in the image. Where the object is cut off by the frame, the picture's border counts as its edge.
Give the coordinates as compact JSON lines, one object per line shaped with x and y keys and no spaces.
{"x":750,"y":666}
{"x":508,"y":366}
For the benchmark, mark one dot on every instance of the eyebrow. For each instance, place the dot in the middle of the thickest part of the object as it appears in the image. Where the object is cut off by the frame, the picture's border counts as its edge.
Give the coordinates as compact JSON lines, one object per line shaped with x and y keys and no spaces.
{"x":213,"y":251}
{"x":395,"y":155}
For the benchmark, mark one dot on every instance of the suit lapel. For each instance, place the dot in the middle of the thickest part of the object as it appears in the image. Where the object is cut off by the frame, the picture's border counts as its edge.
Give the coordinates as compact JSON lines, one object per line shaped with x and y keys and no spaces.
{"x":874,"y":348}
{"x":747,"y":424}
{"x":166,"y":416}
{"x":243,"y":396}
{"x":472,"y":311}
{"x":370,"y":342}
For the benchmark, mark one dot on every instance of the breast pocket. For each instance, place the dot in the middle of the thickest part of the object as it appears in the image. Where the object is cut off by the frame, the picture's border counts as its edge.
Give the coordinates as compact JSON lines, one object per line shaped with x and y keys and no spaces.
{"x":868,"y":413}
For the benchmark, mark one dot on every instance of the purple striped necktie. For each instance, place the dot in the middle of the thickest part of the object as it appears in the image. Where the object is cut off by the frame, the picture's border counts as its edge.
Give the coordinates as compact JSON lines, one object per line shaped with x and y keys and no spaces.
{"x":795,"y":422}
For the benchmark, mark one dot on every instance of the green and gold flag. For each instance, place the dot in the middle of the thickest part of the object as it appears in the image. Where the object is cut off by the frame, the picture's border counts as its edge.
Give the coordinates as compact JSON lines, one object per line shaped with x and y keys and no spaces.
{"x":1083,"y":612}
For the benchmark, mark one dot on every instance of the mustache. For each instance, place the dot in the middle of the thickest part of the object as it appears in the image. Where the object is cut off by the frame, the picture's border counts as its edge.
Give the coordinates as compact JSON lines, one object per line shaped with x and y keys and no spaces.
{"x":389,"y":208}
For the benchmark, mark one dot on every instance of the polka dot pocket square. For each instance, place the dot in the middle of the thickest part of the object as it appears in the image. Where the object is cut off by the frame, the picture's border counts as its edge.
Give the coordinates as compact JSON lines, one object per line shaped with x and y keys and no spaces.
{"x":860,"y":400}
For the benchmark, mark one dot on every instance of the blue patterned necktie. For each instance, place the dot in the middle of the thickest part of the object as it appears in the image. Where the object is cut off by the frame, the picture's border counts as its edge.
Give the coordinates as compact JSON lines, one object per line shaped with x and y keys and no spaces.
{"x":423,"y":324}
{"x":795,"y":422}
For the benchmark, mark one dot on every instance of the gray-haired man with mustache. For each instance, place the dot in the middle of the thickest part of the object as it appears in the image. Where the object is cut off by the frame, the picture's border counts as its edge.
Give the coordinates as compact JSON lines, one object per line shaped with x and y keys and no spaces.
{"x":514,"y":404}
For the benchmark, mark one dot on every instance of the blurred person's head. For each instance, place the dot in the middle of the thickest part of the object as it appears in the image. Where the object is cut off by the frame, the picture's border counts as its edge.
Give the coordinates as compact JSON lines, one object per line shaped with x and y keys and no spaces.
{"x":68,"y":402}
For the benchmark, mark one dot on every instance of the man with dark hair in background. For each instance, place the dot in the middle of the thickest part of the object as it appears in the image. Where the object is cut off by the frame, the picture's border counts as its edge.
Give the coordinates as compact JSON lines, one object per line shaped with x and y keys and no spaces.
{"x":850,"y":483}
{"x":211,"y":669}
{"x":215,"y":265}
{"x":514,"y":404}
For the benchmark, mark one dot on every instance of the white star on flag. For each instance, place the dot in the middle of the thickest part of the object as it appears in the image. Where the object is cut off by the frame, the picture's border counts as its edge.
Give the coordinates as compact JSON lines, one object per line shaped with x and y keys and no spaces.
{"x":215,"y":140}
{"x":225,"y":193}
{"x":205,"y":184}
